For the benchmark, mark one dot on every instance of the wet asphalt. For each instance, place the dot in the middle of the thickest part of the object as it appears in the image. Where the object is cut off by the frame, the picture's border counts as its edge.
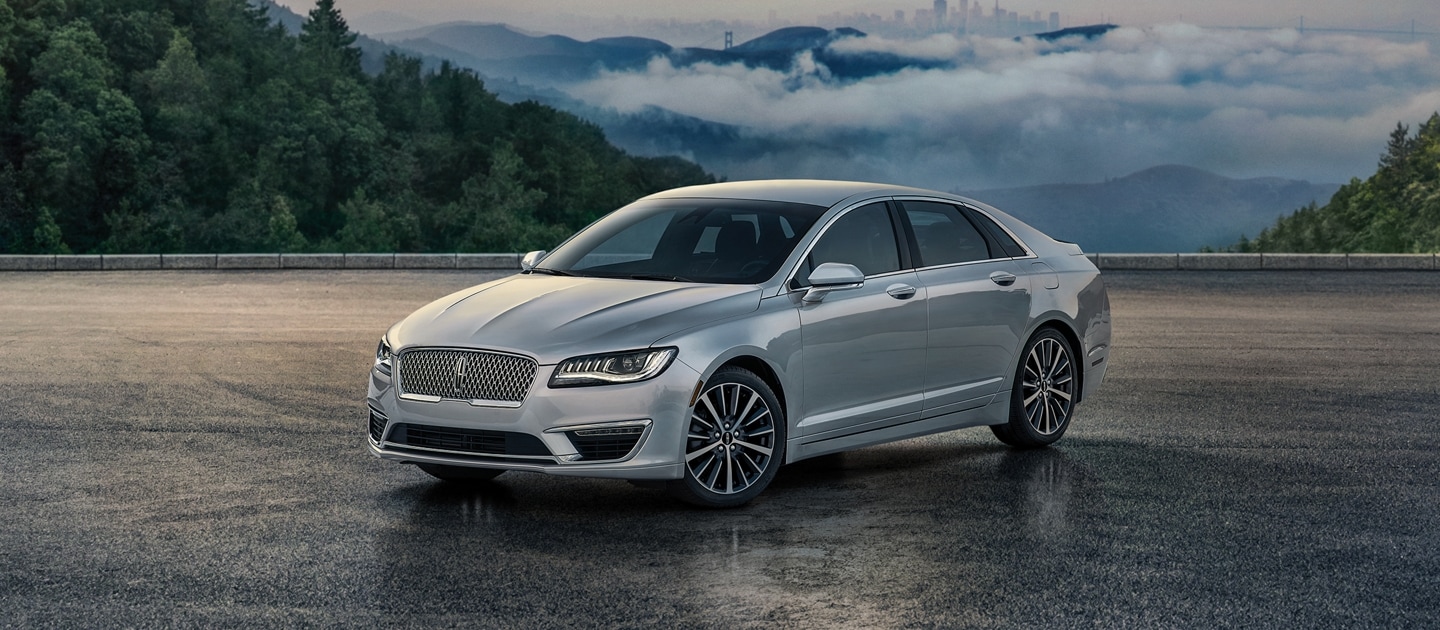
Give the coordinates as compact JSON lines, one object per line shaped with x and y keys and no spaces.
{"x":187,"y":449}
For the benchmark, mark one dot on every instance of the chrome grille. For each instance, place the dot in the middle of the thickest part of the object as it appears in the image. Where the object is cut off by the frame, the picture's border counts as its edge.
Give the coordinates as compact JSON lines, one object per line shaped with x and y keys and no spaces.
{"x":466,"y":375}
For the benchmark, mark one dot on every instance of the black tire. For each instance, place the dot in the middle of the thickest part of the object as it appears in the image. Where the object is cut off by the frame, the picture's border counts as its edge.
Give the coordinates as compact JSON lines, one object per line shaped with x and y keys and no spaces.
{"x":1042,"y":400}
{"x":460,"y":474}
{"x":733,"y":446}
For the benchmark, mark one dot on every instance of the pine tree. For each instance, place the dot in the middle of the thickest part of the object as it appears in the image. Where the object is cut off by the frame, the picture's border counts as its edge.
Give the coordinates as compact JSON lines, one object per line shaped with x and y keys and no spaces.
{"x":328,"y":40}
{"x":1398,"y":149}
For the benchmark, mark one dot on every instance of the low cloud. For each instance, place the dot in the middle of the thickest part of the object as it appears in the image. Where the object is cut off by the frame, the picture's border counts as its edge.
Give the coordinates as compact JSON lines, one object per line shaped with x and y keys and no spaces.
{"x":1000,"y":112}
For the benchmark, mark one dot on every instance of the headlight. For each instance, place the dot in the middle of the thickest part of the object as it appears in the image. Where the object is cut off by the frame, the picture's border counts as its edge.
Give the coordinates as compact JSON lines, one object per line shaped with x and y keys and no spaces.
{"x":383,"y":357}
{"x":616,"y":367}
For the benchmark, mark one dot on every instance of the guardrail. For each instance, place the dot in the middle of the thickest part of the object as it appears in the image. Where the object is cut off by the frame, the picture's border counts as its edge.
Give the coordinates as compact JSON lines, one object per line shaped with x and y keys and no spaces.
{"x":1128,"y":262}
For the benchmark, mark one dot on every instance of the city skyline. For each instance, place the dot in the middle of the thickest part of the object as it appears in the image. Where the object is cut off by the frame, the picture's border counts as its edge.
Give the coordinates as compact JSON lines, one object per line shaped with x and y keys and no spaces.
{"x":960,"y":17}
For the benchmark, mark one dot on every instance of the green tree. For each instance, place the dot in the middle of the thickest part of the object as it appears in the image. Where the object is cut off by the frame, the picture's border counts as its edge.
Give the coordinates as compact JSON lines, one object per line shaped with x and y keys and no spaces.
{"x":87,"y":138}
{"x":496,"y":211}
{"x":1396,"y":210}
{"x":200,"y":125}
{"x":371,"y":226}
{"x":48,"y":237}
{"x":328,"y":42}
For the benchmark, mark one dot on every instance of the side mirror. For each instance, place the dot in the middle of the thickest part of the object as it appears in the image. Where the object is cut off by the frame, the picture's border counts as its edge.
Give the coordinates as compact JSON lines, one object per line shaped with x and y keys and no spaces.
{"x":832,"y":276}
{"x":531,"y":259}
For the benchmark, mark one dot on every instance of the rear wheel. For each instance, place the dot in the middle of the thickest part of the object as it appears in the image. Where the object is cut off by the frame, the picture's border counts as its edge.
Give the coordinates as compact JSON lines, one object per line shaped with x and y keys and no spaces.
{"x":734,"y":443}
{"x":1043,"y":398}
{"x":460,"y":474}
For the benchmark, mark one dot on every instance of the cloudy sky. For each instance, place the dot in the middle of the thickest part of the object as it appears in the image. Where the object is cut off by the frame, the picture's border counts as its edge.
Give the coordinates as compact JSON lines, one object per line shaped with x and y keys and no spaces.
{"x":1241,"y":103}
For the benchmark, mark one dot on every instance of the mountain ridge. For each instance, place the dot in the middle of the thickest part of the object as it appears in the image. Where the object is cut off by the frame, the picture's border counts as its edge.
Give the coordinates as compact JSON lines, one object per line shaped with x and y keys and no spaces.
{"x":1163,"y":208}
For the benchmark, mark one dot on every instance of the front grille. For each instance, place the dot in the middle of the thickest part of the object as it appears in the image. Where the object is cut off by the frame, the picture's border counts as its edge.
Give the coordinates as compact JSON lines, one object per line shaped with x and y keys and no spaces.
{"x":377,"y":425}
{"x":603,"y":444}
{"x":473,"y":441}
{"x":466,"y":375}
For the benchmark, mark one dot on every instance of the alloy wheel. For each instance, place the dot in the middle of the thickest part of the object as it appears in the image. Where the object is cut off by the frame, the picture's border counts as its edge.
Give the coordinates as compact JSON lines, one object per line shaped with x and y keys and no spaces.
{"x":1048,"y":386}
{"x":731,"y":438}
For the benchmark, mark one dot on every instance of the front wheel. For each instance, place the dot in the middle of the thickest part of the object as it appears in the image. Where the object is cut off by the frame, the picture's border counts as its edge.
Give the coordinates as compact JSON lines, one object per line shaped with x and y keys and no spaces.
{"x":734,"y":443}
{"x":460,"y":474}
{"x":1043,"y":398}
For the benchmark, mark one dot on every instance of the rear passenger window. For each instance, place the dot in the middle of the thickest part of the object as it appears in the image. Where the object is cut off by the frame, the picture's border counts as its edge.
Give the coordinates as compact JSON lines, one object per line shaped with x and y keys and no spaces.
{"x":943,"y":235}
{"x":1012,"y":248}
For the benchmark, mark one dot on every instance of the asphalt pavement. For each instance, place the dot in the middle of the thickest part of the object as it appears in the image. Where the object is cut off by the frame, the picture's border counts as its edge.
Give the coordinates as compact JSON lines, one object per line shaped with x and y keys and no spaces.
{"x":187,"y":449}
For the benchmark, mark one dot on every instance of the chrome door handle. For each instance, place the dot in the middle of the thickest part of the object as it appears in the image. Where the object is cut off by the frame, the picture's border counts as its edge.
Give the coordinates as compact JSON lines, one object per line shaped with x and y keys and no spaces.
{"x":1003,"y":279}
{"x":900,"y":291}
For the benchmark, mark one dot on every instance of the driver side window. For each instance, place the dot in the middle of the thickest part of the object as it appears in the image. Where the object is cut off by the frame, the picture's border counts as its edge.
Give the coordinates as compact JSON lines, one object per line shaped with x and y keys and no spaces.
{"x":864,"y":237}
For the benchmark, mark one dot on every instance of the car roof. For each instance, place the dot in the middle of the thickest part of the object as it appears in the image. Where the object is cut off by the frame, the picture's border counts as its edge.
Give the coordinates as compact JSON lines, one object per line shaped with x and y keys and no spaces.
{"x":816,"y":192}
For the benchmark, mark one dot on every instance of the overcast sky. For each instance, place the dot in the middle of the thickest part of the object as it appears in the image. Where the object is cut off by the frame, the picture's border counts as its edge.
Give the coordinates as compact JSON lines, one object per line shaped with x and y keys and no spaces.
{"x":1008,"y":113}
{"x":999,"y":112}
{"x":1321,"y":13}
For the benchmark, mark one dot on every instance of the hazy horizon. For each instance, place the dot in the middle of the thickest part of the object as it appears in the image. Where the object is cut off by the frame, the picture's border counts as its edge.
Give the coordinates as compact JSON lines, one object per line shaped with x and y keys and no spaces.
{"x":1390,"y":15}
{"x":992,"y":112}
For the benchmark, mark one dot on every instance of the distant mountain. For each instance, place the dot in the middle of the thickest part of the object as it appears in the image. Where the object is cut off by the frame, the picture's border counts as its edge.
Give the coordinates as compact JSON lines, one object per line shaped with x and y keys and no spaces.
{"x":1091,"y":31}
{"x":653,"y":131}
{"x":552,"y":60}
{"x":502,"y":50}
{"x":1160,"y":209}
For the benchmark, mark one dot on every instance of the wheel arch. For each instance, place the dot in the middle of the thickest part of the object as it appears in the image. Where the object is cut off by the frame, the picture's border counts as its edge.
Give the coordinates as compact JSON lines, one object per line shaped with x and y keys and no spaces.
{"x":762,"y":369}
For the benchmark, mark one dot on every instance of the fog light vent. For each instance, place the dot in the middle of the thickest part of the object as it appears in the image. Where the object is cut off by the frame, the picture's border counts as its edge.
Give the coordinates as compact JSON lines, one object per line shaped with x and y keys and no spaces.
{"x":377,"y":425}
{"x":605,"y":443}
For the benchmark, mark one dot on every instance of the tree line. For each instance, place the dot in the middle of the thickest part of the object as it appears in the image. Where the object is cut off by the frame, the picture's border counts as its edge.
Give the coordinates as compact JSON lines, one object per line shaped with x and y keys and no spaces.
{"x":143,"y":126}
{"x":1396,"y":210}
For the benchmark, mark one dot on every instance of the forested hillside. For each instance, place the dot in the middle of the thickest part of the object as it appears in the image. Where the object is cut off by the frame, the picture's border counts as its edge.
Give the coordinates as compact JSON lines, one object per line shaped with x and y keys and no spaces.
{"x":1397,"y":210}
{"x":199,"y":126}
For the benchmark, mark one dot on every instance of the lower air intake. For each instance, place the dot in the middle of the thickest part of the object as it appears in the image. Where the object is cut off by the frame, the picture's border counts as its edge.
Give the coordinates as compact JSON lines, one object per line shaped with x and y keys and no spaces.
{"x":468,"y":441}
{"x":605,"y":444}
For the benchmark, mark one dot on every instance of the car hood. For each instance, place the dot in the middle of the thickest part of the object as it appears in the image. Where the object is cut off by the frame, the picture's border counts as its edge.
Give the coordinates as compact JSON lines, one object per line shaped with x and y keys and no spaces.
{"x":553,"y":318}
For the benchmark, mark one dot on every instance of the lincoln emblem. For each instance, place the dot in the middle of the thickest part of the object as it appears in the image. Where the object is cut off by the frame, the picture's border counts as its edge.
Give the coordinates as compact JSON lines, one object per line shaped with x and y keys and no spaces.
{"x":459,"y":374}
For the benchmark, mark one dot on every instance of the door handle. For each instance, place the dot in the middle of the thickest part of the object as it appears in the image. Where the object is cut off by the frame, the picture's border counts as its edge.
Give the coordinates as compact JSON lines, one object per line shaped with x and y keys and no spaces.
{"x":1003,"y":279}
{"x":900,"y":291}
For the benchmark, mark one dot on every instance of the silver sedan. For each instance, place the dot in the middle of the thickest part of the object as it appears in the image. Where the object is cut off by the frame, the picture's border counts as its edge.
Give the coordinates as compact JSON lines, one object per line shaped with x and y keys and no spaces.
{"x":699,"y":338}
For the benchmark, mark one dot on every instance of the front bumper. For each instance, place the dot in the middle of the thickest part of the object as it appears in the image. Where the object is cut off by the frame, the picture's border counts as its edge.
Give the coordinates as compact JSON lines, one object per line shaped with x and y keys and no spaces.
{"x":660,"y":406}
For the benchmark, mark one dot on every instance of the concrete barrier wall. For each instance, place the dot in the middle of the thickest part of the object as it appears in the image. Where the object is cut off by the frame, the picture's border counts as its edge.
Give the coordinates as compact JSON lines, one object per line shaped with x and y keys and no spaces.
{"x":504,"y":261}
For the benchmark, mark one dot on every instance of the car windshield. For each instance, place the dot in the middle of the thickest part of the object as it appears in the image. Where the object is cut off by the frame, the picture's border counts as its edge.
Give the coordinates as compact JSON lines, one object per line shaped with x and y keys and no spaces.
{"x":724,"y":241}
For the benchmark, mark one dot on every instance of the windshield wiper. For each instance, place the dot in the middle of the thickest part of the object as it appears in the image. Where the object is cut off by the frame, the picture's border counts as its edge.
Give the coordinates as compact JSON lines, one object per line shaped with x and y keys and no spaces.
{"x":658,"y":276}
{"x":548,"y":271}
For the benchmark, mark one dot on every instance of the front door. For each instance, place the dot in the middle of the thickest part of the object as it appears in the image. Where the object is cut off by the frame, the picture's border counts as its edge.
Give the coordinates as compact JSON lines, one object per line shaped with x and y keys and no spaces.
{"x":863,"y":350}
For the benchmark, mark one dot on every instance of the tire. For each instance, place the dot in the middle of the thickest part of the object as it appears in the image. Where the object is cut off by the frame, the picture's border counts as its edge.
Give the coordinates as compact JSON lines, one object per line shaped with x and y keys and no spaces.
{"x":1042,"y":401}
{"x":460,"y":474}
{"x":735,"y":441}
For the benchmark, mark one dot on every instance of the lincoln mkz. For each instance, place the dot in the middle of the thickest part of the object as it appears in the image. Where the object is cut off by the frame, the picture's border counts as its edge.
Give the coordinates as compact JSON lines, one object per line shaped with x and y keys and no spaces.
{"x":702,"y":337}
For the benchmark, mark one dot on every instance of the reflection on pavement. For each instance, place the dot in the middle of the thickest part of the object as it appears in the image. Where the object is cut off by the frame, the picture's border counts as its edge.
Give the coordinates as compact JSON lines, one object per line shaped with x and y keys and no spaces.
{"x":862,"y":532}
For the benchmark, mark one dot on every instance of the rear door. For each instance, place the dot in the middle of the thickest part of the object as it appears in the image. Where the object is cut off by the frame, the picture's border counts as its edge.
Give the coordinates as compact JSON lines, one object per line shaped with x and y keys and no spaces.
{"x":978,"y":303}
